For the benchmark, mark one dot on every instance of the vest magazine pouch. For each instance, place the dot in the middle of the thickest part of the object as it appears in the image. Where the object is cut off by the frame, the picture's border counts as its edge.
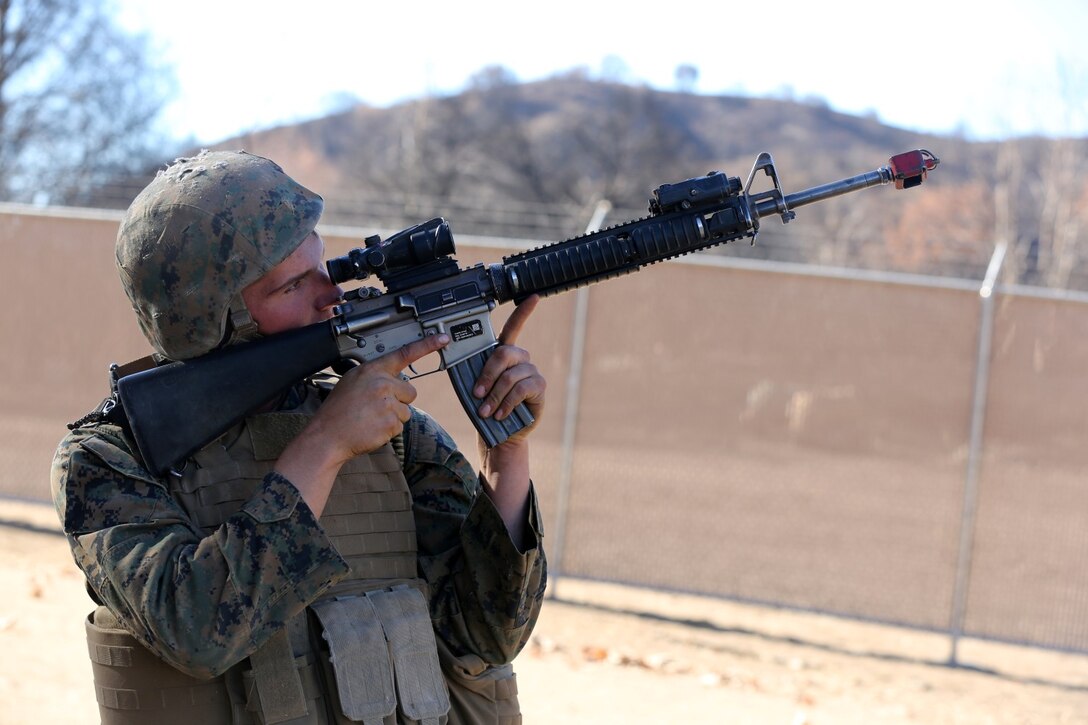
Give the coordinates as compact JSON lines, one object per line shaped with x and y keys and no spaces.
{"x":407,"y":624}
{"x":358,"y":654}
{"x":383,"y":652}
{"x":134,"y":687}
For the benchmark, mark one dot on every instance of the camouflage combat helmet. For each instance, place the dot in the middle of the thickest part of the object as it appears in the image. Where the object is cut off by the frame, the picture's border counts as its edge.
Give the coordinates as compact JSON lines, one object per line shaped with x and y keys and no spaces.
{"x":204,"y":229}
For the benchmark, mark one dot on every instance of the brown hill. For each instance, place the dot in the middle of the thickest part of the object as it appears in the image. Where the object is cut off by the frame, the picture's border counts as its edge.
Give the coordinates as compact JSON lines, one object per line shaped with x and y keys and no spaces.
{"x":532,"y":160}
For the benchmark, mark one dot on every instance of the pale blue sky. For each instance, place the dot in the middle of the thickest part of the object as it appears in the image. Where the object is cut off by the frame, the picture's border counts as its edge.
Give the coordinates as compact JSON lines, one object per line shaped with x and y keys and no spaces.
{"x":989,"y":68}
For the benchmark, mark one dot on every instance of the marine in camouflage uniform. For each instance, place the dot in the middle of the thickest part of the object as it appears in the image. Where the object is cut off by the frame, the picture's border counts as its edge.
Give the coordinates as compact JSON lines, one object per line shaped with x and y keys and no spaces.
{"x":237,"y":590}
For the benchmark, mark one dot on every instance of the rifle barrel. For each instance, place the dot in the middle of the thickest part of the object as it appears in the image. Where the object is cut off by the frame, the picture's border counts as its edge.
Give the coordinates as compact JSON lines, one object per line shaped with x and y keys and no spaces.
{"x":880,"y":176}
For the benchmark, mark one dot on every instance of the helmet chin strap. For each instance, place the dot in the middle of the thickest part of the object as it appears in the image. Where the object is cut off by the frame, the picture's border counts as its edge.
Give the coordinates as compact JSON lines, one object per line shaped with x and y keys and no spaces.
{"x":241,"y":327}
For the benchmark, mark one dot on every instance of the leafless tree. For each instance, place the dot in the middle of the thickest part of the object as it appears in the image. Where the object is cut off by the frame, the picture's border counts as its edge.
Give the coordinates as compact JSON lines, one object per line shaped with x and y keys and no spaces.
{"x":78,"y":98}
{"x":1061,"y":230}
{"x":687,"y":75}
{"x":476,"y":156}
{"x":625,"y":144}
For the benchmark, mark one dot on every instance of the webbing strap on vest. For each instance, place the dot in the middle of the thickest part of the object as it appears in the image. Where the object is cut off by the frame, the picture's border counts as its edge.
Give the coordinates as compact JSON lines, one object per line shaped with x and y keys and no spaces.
{"x":278,"y":681}
{"x":357,"y":650}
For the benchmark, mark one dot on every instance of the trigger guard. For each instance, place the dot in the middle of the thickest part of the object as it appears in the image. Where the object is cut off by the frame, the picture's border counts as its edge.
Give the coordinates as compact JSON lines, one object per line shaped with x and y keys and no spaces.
{"x":344,"y":364}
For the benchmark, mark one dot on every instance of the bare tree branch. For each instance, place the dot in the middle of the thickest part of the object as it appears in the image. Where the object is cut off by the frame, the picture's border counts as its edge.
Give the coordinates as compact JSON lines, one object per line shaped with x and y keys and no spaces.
{"x":78,"y":99}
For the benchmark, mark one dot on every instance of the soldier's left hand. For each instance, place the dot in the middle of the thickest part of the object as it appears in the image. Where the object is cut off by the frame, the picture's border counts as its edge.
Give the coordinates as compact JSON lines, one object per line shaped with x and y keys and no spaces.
{"x":509,"y":377}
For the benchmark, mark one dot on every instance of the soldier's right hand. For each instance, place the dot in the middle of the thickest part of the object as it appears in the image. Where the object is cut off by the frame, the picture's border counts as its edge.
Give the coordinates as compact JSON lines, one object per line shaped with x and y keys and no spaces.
{"x":364,"y":411}
{"x":369,"y":406}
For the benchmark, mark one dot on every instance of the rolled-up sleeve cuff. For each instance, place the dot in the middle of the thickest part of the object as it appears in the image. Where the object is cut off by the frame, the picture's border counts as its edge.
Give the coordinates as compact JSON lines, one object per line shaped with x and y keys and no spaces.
{"x":276,"y":500}
{"x":485,"y":525}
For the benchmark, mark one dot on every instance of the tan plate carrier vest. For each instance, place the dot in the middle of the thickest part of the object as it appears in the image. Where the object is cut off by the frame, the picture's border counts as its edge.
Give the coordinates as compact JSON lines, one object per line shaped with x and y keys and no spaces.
{"x":364,"y":652}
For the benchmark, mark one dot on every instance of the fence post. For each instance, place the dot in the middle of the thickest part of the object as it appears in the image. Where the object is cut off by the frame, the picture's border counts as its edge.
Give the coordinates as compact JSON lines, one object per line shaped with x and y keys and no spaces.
{"x":570,"y":419}
{"x":974,"y":450}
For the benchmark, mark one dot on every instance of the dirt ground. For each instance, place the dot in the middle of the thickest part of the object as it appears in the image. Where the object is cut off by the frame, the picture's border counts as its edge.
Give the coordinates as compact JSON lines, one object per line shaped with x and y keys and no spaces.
{"x":607,"y":654}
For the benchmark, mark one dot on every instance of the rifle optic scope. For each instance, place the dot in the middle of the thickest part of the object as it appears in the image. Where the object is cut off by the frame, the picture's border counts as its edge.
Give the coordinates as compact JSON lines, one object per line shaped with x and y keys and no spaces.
{"x":413,"y":247}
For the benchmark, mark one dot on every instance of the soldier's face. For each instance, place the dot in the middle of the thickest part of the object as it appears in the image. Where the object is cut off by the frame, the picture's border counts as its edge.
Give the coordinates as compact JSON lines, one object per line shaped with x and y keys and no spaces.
{"x":296,"y":292}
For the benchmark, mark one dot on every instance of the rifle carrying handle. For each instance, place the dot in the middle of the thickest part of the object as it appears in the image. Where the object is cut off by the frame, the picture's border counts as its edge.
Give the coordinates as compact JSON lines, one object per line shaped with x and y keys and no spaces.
{"x":463,"y":375}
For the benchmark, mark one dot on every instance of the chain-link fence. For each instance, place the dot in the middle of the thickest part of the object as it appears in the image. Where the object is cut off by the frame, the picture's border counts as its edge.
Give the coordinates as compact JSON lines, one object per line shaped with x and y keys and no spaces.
{"x":871,"y":445}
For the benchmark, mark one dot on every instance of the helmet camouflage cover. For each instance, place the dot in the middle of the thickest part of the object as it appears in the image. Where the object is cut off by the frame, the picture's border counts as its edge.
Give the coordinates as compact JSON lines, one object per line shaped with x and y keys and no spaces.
{"x":204,"y":229}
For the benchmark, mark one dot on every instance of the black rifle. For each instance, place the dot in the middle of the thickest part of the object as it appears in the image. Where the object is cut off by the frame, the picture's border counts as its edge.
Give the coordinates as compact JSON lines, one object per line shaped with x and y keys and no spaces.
{"x":177,"y":408}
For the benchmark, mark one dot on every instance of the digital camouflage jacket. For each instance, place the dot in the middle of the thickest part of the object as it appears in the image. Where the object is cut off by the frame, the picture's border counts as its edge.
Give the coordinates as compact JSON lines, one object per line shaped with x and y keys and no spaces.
{"x":148,"y":560}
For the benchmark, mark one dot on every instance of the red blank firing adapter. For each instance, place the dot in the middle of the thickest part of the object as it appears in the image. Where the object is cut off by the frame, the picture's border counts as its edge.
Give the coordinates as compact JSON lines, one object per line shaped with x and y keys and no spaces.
{"x":909,"y":169}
